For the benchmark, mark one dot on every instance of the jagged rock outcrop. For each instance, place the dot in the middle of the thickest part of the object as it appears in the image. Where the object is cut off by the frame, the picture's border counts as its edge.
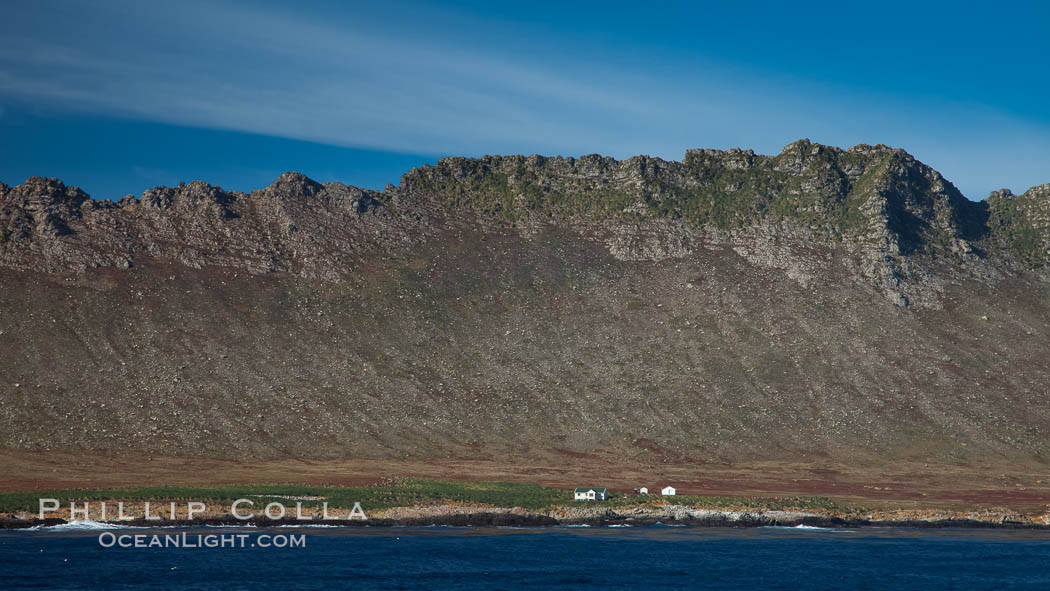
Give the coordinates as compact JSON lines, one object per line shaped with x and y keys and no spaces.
{"x":294,"y":225}
{"x":865,"y":195}
{"x":1021,"y":223}
{"x":878,"y":203}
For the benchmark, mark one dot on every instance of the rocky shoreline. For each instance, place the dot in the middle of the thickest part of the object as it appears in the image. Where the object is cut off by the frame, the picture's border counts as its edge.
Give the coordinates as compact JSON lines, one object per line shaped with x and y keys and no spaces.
{"x":677,"y":515}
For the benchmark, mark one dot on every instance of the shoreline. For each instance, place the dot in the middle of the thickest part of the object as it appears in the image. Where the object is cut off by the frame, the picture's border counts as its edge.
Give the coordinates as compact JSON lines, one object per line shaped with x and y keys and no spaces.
{"x":423,"y":502}
{"x":708,"y":519}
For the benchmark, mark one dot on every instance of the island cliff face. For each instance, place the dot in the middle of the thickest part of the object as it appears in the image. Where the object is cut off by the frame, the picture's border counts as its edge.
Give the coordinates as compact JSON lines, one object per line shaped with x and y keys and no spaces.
{"x":849,"y":305}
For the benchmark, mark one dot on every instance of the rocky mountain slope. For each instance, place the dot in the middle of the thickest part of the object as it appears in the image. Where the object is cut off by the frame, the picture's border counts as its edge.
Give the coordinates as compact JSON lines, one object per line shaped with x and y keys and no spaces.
{"x":823,"y":303}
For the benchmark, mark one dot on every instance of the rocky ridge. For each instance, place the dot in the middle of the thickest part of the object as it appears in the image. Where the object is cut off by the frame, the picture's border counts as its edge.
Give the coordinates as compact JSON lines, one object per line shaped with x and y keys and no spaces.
{"x":885,"y":209}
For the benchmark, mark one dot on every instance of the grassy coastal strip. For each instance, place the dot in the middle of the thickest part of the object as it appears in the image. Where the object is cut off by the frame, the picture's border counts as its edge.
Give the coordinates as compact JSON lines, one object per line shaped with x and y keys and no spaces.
{"x":399,"y":493}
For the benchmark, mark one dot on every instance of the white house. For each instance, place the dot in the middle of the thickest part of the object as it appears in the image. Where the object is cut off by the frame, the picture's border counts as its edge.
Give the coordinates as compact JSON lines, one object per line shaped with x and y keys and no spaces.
{"x":590,"y":494}
{"x":643,"y":491}
{"x":668,"y":491}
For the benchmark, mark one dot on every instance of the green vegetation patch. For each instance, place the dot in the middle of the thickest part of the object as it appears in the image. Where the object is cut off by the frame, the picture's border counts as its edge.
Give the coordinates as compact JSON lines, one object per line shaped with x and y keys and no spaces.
{"x":1016,"y":223}
{"x":400,"y":493}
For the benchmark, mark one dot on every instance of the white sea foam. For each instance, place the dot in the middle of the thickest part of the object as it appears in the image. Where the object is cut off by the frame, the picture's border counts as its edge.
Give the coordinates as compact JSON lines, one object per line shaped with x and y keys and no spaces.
{"x":81,"y":525}
{"x":802,"y":527}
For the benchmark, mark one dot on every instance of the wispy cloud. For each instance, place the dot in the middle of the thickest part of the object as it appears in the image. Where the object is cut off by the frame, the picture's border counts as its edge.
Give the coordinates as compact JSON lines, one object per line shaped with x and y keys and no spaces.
{"x":286,"y":74}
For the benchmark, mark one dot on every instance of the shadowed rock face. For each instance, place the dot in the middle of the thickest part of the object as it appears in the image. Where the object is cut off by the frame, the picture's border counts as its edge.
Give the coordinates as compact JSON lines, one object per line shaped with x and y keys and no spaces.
{"x":41,"y":207}
{"x":845,"y":304}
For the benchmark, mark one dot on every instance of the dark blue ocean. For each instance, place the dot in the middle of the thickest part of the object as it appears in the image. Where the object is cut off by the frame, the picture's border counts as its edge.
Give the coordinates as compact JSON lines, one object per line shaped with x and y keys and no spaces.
{"x":531,"y":558}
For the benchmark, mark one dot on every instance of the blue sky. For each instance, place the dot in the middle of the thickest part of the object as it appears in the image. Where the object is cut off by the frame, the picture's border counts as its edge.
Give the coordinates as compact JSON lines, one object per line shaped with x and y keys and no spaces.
{"x":120,"y":96}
